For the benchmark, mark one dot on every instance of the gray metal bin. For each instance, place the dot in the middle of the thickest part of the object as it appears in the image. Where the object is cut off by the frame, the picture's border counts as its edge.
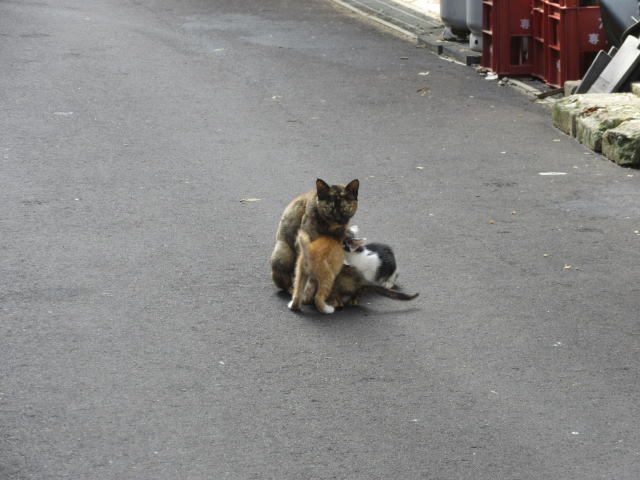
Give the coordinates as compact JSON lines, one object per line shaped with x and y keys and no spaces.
{"x":454,"y":17}
{"x":474,"y":23}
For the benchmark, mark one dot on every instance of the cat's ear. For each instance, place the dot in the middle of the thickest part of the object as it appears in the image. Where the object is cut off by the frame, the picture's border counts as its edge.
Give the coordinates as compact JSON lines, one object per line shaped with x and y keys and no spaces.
{"x":353,"y":244}
{"x":359,"y":242}
{"x":352,"y":188}
{"x":322,"y":188}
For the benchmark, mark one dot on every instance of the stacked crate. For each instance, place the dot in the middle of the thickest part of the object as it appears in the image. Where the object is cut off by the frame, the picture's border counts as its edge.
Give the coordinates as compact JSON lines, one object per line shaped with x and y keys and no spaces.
{"x":538,"y":18}
{"x":506,"y":36}
{"x":554,"y":40}
{"x":574,"y":36}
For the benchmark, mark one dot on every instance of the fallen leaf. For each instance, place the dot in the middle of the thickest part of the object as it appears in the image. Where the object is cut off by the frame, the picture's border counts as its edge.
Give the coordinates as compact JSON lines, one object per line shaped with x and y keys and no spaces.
{"x":423,"y":89}
{"x":568,"y":267}
{"x":492,"y":222}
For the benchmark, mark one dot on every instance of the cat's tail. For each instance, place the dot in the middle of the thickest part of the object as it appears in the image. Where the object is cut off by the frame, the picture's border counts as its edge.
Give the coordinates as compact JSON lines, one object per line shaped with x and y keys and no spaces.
{"x":392,"y":293}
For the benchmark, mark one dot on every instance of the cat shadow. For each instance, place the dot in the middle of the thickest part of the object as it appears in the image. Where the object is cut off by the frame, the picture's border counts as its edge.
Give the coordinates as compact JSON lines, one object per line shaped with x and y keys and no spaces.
{"x":344,"y":314}
{"x":283,"y":295}
{"x":372,"y":312}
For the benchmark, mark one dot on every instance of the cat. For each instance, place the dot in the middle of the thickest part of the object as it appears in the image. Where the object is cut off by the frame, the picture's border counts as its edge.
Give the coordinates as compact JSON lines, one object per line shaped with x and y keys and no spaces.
{"x":317,"y":266}
{"x":352,"y":282}
{"x":325,"y":211}
{"x":375,"y":261}
{"x":350,"y":285}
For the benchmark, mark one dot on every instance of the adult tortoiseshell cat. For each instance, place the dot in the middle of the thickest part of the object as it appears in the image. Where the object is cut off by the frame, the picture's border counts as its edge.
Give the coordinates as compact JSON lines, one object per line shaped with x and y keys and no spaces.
{"x":325,"y":211}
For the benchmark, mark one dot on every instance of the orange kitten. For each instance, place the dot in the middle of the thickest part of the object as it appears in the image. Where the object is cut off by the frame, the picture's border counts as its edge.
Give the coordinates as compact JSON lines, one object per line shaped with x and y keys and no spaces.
{"x":317,"y":266}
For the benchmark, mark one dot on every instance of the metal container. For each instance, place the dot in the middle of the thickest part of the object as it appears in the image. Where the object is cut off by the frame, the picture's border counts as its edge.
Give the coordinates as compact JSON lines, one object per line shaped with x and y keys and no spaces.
{"x":617,"y":16}
{"x":454,"y":17}
{"x":474,"y":24}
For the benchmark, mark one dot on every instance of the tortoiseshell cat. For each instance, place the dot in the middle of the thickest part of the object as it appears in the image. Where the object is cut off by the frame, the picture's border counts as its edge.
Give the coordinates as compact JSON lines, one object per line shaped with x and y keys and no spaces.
{"x":325,"y":211}
{"x":317,"y":266}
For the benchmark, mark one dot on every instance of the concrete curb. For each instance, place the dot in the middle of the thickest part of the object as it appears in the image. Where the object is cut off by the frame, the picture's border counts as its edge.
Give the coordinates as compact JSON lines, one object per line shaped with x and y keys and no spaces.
{"x":604,"y":122}
{"x":444,"y":48}
{"x":424,"y":29}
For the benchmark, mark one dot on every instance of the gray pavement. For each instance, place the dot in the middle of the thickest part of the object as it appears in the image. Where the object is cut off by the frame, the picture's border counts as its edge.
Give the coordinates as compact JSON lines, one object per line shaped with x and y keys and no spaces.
{"x":141,"y":337}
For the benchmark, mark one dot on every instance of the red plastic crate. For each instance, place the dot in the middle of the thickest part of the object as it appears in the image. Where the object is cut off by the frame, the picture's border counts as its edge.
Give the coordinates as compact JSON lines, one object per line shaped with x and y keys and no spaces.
{"x":574,"y":3}
{"x":507,"y":36}
{"x":573,"y":36}
{"x":538,"y":17}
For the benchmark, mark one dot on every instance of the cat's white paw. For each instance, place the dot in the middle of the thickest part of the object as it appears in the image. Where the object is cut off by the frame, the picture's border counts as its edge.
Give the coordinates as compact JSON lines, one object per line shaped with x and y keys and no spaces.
{"x":293,"y":306}
{"x":327,"y":309}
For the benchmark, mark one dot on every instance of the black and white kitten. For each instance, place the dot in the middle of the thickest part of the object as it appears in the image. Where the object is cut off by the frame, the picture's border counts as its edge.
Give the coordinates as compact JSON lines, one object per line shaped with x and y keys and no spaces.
{"x":375,"y":261}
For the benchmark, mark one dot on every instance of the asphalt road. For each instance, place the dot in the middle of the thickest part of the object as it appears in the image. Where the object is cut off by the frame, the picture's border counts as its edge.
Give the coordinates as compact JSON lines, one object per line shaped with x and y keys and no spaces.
{"x":141,"y":337}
